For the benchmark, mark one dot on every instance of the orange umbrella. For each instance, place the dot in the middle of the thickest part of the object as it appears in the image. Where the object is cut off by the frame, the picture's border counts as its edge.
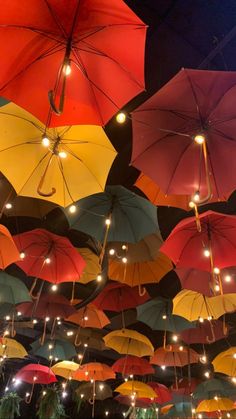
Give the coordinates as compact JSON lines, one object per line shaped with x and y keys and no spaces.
{"x":165,"y":409}
{"x":8,"y":250}
{"x":93,"y":371}
{"x":89,"y":316}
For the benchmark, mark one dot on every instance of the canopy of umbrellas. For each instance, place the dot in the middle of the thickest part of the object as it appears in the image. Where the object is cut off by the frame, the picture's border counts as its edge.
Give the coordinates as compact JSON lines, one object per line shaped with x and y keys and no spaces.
{"x":66,"y":77}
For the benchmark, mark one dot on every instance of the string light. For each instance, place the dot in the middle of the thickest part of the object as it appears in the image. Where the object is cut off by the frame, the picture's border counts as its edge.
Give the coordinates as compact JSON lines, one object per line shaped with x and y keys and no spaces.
{"x":62,"y":154}
{"x":196,"y":196}
{"x":199,"y":138}
{"x":80,"y":356}
{"x":50,"y":346}
{"x":99,"y":278}
{"x":124,"y":260}
{"x":203,"y":359}
{"x":19,"y":313}
{"x":164,"y":316}
{"x":217,"y":287}
{"x":206,"y":253}
{"x":67,"y":68}
{"x":27,"y":394}
{"x":201,"y":319}
{"x":101,"y":386}
{"x":193,"y":411}
{"x":8,"y":205}
{"x":216,"y":271}
{"x":209,"y":318}
{"x":64,"y":394}
{"x":22,"y":255}
{"x":54,"y":287}
{"x":107,"y":221}
{"x":82,"y":395}
{"x":45,"y":141}
{"x":163,"y":367}
{"x":227,"y":278}
{"x":216,"y":397}
{"x":207,"y":374}
{"x":111,"y":252}
{"x":181,"y":348}
{"x":47,"y":319}
{"x":70,"y":333}
{"x":72,"y":208}
{"x":175,"y":338}
{"x":8,"y":318}
{"x":6,"y":388}
{"x":233,"y":379}
{"x":228,"y":415}
{"x":86,"y":318}
{"x":85,"y":345}
{"x":35,"y":321}
{"x":121,"y":118}
{"x":44,"y":393}
{"x":106,"y":413}
{"x":123,"y":247}
{"x":234,"y":355}
{"x":47,"y":260}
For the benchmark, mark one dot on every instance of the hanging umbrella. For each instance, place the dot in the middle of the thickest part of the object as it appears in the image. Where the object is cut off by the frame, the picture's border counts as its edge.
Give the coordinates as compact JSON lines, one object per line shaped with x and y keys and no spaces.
{"x":10,"y":348}
{"x":157,"y":314}
{"x":91,"y":338}
{"x":51,"y":160}
{"x":117,"y":297}
{"x":89,"y":316}
{"x":129,"y":342}
{"x":206,"y":333}
{"x":188,"y":127}
{"x":64,"y":50}
{"x":212,"y":388}
{"x":8,"y":251}
{"x":185,"y":386}
{"x":163,"y":395}
{"x":102,"y":391}
{"x":65,"y":368}
{"x":132,"y":365}
{"x":194,"y":306}
{"x":92,"y":266}
{"x":53,"y":349}
{"x":136,"y":387}
{"x":180,"y":410}
{"x":225,"y":362}
{"x":212,"y":405}
{"x":93,"y":371}
{"x":165,"y":409}
{"x":13,"y":291}
{"x":174,"y":356}
{"x":139,"y":402}
{"x":201,"y":281}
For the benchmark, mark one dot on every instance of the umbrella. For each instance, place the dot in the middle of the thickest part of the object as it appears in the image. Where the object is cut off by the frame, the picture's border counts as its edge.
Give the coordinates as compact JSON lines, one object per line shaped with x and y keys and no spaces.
{"x":102,"y":391}
{"x":93,"y":371}
{"x":132,"y":365}
{"x":188,"y":127}
{"x":138,"y":388}
{"x":180,"y":410}
{"x":65,"y":49}
{"x":64,"y":369}
{"x":206,"y":332}
{"x":13,"y":291}
{"x":174,"y":356}
{"x":225,"y":362}
{"x":215,"y":404}
{"x":8,"y":251}
{"x":53,"y":349}
{"x":91,"y":338}
{"x":165,"y":409}
{"x":129,"y":342}
{"x":139,"y":402}
{"x":213,"y":388}
{"x":118,"y":297}
{"x":163,"y":395}
{"x":10,"y":348}
{"x":89,"y":316}
{"x":194,"y":306}
{"x":92,"y":266}
{"x":185,"y":386}
{"x":157,"y":314}
{"x":52,"y":159}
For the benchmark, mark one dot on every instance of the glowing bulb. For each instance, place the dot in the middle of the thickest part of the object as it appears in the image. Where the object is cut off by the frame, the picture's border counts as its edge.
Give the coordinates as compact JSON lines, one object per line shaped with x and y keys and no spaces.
{"x":27,"y":394}
{"x":121,"y":117}
{"x":22,"y":255}
{"x":216,"y":397}
{"x":124,"y":260}
{"x":86,"y":373}
{"x":217,"y":288}
{"x":201,"y":319}
{"x":80,"y":356}
{"x":70,"y":333}
{"x":50,"y":346}
{"x":108,"y":221}
{"x":111,"y":252}
{"x":234,"y":356}
{"x":203,"y":359}
{"x":86,"y":318}
{"x":54,"y":287}
{"x":106,"y":413}
{"x":67,"y":68}
{"x":6,"y":333}
{"x":64,"y":394}
{"x":216,"y":271}
{"x":123,"y":247}
{"x":228,"y":415}
{"x":193,"y":411}
{"x":207,"y":374}
{"x":8,"y":318}
{"x":199,"y":416}
{"x":191,"y":204}
{"x":209,"y":318}
{"x":227,"y":278}
{"x":164,"y":316}
{"x":72,"y":209}
{"x":47,"y":319}
{"x":45,"y":141}
{"x":131,"y":376}
{"x":126,"y":379}
{"x":59,"y":322}
{"x":163,"y":367}
{"x":6,"y":388}
{"x":233,"y":379}
{"x":19,"y":313}
{"x":199,"y":138}
{"x":62,"y":154}
{"x":206,"y":253}
{"x":56,"y":359}
{"x":44,"y":393}
{"x":99,"y":278}
{"x":17,"y":382}
{"x":175,"y":338}
{"x":35,"y":378}
{"x":47,"y":261}
{"x":101,"y":387}
{"x":132,"y":404}
{"x":181,"y":348}
{"x":35,"y":321}
{"x":196,"y":197}
{"x":58,"y":318}
{"x":50,"y":357}
{"x":8,"y":205}
{"x":82,"y":395}
{"x":85,"y":345}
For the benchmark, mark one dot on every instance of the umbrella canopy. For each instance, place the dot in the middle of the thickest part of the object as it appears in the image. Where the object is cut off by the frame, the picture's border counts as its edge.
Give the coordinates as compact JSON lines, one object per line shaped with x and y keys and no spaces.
{"x":214,"y":388}
{"x":54,"y":349}
{"x":139,"y":402}
{"x":118,"y":297}
{"x":212,"y":405}
{"x":174,"y":356}
{"x":64,"y":369}
{"x":89,"y":316}
{"x":77,"y":43}
{"x":124,"y":209}
{"x":92,"y":338}
{"x":136,"y":387}
{"x":36,"y":373}
{"x":8,"y":251}
{"x":92,"y":265}
{"x":132,"y":365}
{"x":182,"y":409}
{"x":185,"y":386}
{"x":207,"y":332}
{"x":10,"y":348}
{"x":49,"y":305}
{"x":163,"y":394}
{"x":194,"y":306}
{"x":225,"y":362}
{"x":13,"y":291}
{"x":187,"y":247}
{"x":49,"y":256}
{"x":138,"y":273}
{"x":167,"y":127}
{"x":53,"y":159}
{"x":102,"y":391}
{"x":93,"y":371}
{"x":129,"y":342}
{"x":157,"y":314}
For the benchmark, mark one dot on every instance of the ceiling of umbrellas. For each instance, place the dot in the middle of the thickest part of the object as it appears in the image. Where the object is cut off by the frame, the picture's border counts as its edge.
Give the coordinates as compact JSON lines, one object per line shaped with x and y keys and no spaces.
{"x":116,"y":298}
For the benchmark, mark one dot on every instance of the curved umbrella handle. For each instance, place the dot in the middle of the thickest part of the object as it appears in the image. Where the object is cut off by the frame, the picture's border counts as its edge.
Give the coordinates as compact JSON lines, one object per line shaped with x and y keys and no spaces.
{"x":141,"y":290}
{"x":39,"y":188}
{"x":213,"y":338}
{"x":29,"y":397}
{"x":206,"y":198}
{"x":58,"y":110}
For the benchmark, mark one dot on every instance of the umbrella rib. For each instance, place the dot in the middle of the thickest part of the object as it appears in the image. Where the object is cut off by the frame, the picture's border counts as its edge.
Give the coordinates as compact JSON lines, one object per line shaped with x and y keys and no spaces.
{"x":56,"y":20}
{"x":40,"y":128}
{"x":44,"y":33}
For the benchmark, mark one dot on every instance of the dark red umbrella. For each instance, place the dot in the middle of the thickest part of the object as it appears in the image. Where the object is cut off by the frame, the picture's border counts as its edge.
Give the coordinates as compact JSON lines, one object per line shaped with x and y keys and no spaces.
{"x":207,"y":332}
{"x":132,"y":365}
{"x":213,"y":247}
{"x":118,"y":297}
{"x":74,"y":51}
{"x":162,"y":392}
{"x":48,"y":256}
{"x":188,"y":127}
{"x":185,"y":387}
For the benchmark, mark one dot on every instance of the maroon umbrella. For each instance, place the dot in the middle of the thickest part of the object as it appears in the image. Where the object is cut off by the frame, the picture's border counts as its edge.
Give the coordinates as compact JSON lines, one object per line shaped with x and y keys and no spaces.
{"x":134,"y":365}
{"x":206,"y":332}
{"x":186,"y":386}
{"x":163,"y":394}
{"x":188,"y":127}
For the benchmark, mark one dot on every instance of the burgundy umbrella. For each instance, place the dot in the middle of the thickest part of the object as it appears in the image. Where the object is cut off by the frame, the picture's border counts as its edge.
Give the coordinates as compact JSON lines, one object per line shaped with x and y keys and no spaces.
{"x":206,"y":332}
{"x":188,"y":127}
{"x":133,"y":365}
{"x":185,"y":386}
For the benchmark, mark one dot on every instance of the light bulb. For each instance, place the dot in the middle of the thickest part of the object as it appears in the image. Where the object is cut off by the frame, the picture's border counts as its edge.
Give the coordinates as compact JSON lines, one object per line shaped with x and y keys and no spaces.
{"x":126,"y":379}
{"x":22,"y":255}
{"x":70,"y":333}
{"x":209,"y":318}
{"x":85,"y":345}
{"x":54,"y":287}
{"x":228,"y":415}
{"x":106,"y":413}
{"x":203,"y":359}
{"x":191,"y":204}
{"x":99,"y":278}
{"x":234,"y":356}
{"x":56,"y":359}
{"x":86,"y":373}
{"x":35,"y":321}
{"x":62,"y":154}
{"x":164,"y":316}
{"x":217,"y":288}
{"x":64,"y":394}
{"x":80,"y":356}
{"x":59,"y":322}
{"x":8,"y":205}
{"x":193,"y":411}
{"x":131,"y":376}
{"x":19,"y":313}
{"x":216,"y":271}
{"x":101,"y":387}
{"x":6,"y":333}
{"x":175,"y":338}
{"x":8,"y":318}
{"x":58,"y":318}
{"x":181,"y":348}
{"x":67,"y":68}
{"x":47,"y":260}
{"x":233,"y":379}
{"x":50,"y":346}
{"x":124,"y":260}
{"x":216,"y":397}
{"x":111,"y":252}
{"x":44,"y":393}
{"x":35,"y":378}
{"x":227,"y":278}
{"x":45,"y":141}
{"x":27,"y":394}
{"x":47,"y":319}
{"x":86,"y":318}
{"x":121,"y":117}
{"x":72,"y":208}
{"x":199,"y":138}
{"x":206,"y":253}
{"x":50,"y":357}
{"x":108,"y":221}
{"x":207,"y":374}
{"x":201,"y":319}
{"x":199,"y":416}
{"x":132,"y":404}
{"x":196,"y":196}
{"x":123,"y":247}
{"x":6,"y":388}
{"x":163,"y":367}
{"x":82,"y":395}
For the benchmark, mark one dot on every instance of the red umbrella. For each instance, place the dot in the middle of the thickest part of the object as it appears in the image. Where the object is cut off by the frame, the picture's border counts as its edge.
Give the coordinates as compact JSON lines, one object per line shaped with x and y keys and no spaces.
{"x":163,"y":394}
{"x":132,"y":365}
{"x":185,"y":386}
{"x":188,"y":127}
{"x":118,"y":297}
{"x":207,"y":332}
{"x":86,"y":38}
{"x":213,"y":247}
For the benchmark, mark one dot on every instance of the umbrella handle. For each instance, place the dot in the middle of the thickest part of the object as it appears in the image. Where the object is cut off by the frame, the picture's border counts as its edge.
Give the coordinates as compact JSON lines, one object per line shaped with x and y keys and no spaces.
{"x":29,"y":398}
{"x":141,"y":290}
{"x":206,"y":198}
{"x":213,"y":338}
{"x":51,"y":97}
{"x":40,"y":185}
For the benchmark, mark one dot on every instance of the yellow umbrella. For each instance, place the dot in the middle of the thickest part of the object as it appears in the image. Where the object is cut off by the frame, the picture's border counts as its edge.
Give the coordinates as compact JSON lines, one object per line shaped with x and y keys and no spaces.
{"x":92,"y":268}
{"x":61,"y":165}
{"x":216,"y":404}
{"x":136,"y":388}
{"x":192,"y":305}
{"x":10,"y":348}
{"x":129,"y":342}
{"x":65,"y":369}
{"x":225,"y":362}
